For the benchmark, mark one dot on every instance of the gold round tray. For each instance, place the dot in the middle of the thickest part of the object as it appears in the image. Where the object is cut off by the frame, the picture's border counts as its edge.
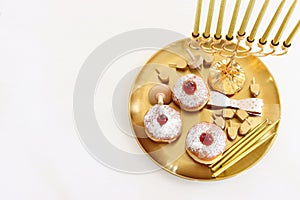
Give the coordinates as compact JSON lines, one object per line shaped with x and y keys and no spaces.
{"x":173,"y":157}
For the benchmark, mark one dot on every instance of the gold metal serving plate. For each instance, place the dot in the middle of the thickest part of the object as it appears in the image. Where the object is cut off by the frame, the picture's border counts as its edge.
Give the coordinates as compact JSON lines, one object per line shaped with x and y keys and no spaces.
{"x":173,"y":157}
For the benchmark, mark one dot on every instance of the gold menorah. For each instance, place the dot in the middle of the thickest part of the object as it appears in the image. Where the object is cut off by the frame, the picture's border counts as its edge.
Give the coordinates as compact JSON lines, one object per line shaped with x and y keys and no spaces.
{"x":227,"y":76}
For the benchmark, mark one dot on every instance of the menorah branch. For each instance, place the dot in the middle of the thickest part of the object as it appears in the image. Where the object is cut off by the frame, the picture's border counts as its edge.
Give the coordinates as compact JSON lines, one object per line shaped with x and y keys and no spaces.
{"x":227,"y":76}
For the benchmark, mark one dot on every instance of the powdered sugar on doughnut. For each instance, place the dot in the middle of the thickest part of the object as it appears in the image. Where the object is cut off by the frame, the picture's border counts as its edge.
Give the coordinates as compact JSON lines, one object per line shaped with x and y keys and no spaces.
{"x":194,"y":144}
{"x":171,"y":129}
{"x":197,"y":99}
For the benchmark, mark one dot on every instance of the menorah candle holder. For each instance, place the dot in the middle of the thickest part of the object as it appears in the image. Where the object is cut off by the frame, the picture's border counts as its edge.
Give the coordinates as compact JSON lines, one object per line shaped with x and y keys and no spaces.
{"x":227,"y":76}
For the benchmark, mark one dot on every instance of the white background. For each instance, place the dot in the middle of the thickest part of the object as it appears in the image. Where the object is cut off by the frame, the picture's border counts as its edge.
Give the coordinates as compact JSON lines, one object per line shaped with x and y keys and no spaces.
{"x":43,"y":44}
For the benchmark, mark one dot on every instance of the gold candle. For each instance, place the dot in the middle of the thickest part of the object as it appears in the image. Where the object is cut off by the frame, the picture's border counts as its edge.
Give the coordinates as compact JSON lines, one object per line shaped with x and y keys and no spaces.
{"x":287,"y":42}
{"x":246,"y":144}
{"x":276,"y":39}
{"x":218,"y":34}
{"x":242,"y":155}
{"x":206,"y":34}
{"x":197,"y":19}
{"x":263,"y":40}
{"x":229,"y":35}
{"x":258,"y":21}
{"x":245,"y":21}
{"x":236,"y":147}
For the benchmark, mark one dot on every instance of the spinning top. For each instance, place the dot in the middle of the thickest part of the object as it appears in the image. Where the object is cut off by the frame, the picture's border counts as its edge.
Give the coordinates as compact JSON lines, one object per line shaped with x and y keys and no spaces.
{"x":181,"y":64}
{"x":232,"y":131}
{"x":228,"y":113}
{"x":196,"y":60}
{"x":241,"y":114}
{"x":244,"y":128}
{"x":219,"y":121}
{"x":162,"y":76}
{"x":254,"y":88}
{"x":207,"y":62}
{"x":160,"y":94}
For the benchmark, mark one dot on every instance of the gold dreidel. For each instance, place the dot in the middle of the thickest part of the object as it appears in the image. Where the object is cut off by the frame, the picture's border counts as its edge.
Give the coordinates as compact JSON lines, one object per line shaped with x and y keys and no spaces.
{"x":162,"y":76}
{"x":232,"y":131}
{"x":160,"y":94}
{"x":242,"y":115}
{"x":181,"y":64}
{"x":196,"y":60}
{"x":244,"y":128}
{"x":219,"y":121}
{"x":228,"y":113}
{"x":254,"y":88}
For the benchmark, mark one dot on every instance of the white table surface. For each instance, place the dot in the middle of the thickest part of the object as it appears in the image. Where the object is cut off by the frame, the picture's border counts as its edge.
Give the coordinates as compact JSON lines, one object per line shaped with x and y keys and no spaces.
{"x":43,"y":44}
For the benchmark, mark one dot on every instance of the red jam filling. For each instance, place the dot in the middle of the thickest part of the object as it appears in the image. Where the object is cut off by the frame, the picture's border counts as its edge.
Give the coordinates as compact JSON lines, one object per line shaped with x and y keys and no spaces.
{"x":162,"y":119}
{"x":206,"y":139}
{"x":189,"y":87}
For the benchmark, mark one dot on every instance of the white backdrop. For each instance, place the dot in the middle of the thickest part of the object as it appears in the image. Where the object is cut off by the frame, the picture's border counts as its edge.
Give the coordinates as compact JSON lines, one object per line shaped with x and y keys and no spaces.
{"x":43,"y":44}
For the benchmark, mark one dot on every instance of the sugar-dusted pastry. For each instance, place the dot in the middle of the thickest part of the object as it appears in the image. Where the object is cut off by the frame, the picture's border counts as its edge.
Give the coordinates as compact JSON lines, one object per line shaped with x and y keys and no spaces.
{"x":205,"y":142}
{"x":162,"y":123}
{"x":190,"y":92}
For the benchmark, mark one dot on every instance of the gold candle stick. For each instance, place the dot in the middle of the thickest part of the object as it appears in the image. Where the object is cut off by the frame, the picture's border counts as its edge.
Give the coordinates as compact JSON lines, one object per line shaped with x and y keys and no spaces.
{"x":246,"y":144}
{"x":229,"y":35}
{"x":245,"y":21}
{"x":234,"y":148}
{"x":276,"y":39}
{"x":263,"y":39}
{"x":218,"y":34}
{"x":197,"y":19}
{"x":242,"y":155}
{"x":287,"y":42}
{"x":254,"y":140}
{"x":258,"y":21}
{"x":206,"y":34}
{"x":226,"y":157}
